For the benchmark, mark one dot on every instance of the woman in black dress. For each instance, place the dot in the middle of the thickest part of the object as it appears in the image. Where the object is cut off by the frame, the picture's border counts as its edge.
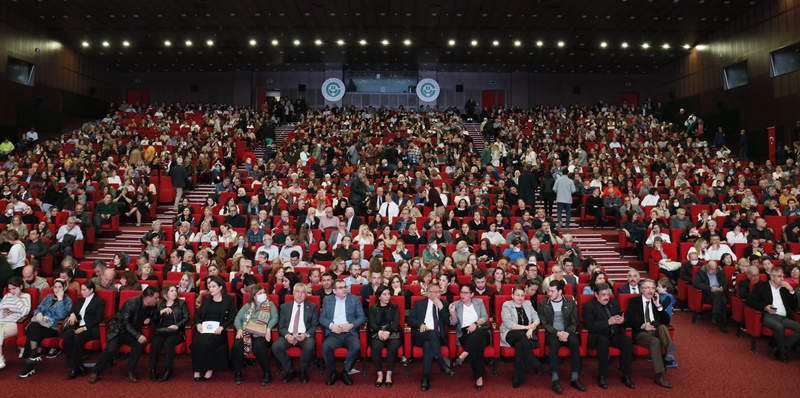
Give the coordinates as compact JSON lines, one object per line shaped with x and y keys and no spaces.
{"x":384,"y":332}
{"x":210,"y":342}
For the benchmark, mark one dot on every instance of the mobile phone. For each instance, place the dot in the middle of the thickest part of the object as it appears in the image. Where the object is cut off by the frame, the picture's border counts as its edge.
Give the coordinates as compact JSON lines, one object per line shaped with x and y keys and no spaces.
{"x":621,"y":313}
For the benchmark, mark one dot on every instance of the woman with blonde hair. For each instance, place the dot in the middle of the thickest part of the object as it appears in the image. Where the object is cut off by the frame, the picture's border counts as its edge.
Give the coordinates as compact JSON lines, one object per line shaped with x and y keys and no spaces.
{"x":364,"y":237}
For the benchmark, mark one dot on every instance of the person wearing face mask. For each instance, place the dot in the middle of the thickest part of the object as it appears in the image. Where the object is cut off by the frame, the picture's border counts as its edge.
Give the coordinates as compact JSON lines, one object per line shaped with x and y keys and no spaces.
{"x":432,"y":252}
{"x":685,"y":272}
{"x":268,"y":248}
{"x":461,"y":255}
{"x":514,"y":252}
{"x":240,"y":248}
{"x":258,"y":316}
{"x":215,"y":250}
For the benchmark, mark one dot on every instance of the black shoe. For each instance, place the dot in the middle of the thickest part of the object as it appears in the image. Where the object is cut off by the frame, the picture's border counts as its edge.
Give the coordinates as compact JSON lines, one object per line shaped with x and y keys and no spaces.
{"x":289,"y":376}
{"x":723,"y":328}
{"x":540,"y":370}
{"x":662,"y":382}
{"x":54,"y":352}
{"x":332,"y":379}
{"x":557,"y":386}
{"x":515,"y":384}
{"x":447,"y":371}
{"x":267,"y":378}
{"x":576,"y":384}
{"x":478,"y":387}
{"x":303,"y":377}
{"x":152,"y":374}
{"x":426,"y":384}
{"x":345,"y":378}
{"x":237,"y":377}
{"x":626,"y":380}
{"x":75,"y":372}
{"x":167,"y":375}
{"x":459,"y":361}
{"x":27,"y":370}
{"x":601,"y":381}
{"x":388,"y":384}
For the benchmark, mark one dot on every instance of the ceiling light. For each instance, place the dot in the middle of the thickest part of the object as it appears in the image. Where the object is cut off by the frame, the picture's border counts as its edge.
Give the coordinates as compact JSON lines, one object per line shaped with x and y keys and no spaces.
{"x":495,"y":43}
{"x":210,"y":42}
{"x":126,"y":43}
{"x":167,"y":43}
{"x":539,"y":43}
{"x":340,"y":42}
{"x":452,"y":42}
{"x":645,"y":45}
{"x":517,"y":43}
{"x":318,"y":42}
{"x":385,"y":42}
{"x":274,"y":42}
{"x":561,"y":44}
{"x":686,"y":46}
{"x":362,"y":42}
{"x":296,"y":42}
{"x":188,"y":43}
{"x":474,"y":42}
{"x":252,"y":42}
{"x":665,"y":46}
{"x":701,"y":47}
{"x":604,"y":44}
{"x":624,"y":45}
{"x":105,"y":44}
{"x":85,"y":44}
{"x":407,"y":42}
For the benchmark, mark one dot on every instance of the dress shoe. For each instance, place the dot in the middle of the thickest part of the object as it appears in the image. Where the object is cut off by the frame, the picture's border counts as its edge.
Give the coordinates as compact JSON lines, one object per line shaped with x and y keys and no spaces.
{"x":378,"y":383}
{"x":557,"y":386}
{"x":289,"y":376}
{"x":92,"y":378}
{"x":601,"y":381}
{"x":267,"y":378}
{"x":167,"y":375}
{"x":198,"y":378}
{"x":303,"y":377}
{"x":332,"y":379}
{"x":576,"y":384}
{"x":478,"y":387}
{"x":73,"y":373}
{"x":152,"y":374}
{"x":388,"y":384}
{"x":345,"y":378}
{"x":723,"y":328}
{"x":626,"y":380}
{"x":515,"y":384}
{"x":426,"y":384}
{"x":459,"y":361}
{"x":540,"y":370}
{"x":237,"y":377}
{"x":130,"y":377}
{"x":662,"y":382}
{"x":447,"y":371}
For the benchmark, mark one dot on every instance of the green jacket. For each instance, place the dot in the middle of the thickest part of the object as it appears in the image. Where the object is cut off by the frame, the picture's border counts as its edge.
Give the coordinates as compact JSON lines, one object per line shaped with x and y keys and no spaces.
{"x":241,"y":317}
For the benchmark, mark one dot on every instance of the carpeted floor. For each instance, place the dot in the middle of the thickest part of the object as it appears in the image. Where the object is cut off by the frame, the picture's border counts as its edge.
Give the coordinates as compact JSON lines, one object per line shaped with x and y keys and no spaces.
{"x":710,"y":365}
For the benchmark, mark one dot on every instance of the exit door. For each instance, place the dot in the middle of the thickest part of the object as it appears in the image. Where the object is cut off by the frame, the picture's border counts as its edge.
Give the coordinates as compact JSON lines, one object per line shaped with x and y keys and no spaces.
{"x":493,"y":98}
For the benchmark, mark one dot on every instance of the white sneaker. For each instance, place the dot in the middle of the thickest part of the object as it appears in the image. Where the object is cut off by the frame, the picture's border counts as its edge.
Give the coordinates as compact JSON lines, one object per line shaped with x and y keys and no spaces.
{"x":2,"y":362}
{"x":353,"y":372}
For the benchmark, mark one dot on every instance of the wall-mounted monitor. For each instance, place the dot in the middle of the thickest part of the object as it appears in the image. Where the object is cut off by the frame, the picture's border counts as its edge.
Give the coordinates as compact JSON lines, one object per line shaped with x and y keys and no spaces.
{"x":735,"y":75}
{"x":785,"y":60}
{"x":20,"y":71}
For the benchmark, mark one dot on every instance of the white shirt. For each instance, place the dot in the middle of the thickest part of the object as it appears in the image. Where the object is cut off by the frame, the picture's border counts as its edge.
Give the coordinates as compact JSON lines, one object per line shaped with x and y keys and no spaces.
{"x":716,"y":254}
{"x":82,"y":312}
{"x":16,"y":255}
{"x":339,"y":312}
{"x":272,"y":251}
{"x":777,"y":301}
{"x":301,"y":327}
{"x":429,"y":314}
{"x":650,"y":200}
{"x":469,"y":315}
{"x":389,"y":210}
{"x":732,"y":237}
{"x":634,"y":289}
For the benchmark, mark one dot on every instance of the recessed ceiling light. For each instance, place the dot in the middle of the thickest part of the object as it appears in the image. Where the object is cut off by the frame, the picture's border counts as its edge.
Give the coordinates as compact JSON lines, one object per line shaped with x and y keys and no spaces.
{"x":126,"y":43}
{"x":624,"y":45}
{"x":701,"y":47}
{"x":517,"y":43}
{"x":167,"y":43}
{"x":105,"y":44}
{"x":645,"y":45}
{"x":296,"y":42}
{"x":318,"y":42}
{"x":561,"y":44}
{"x":686,"y":46}
{"x":385,"y":42}
{"x":604,"y":44}
{"x":340,"y":42}
{"x":495,"y":43}
{"x":539,"y":43}
{"x":274,"y":42}
{"x":665,"y":46}
{"x":85,"y":44}
{"x":474,"y":42}
{"x":362,"y":42}
{"x":452,"y":42}
{"x":253,"y":42}
{"x":188,"y":43}
{"x":210,"y":42}
{"x":407,"y":42}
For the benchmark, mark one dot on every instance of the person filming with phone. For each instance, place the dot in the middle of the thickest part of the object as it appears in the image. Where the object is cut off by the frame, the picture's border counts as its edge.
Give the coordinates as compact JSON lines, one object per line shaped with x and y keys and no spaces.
{"x":604,"y":320}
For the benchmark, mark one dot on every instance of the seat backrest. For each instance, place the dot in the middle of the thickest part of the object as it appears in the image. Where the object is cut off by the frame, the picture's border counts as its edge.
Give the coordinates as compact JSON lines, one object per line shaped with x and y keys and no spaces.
{"x":125,"y":295}
{"x":623,"y":301}
{"x":191,"y":303}
{"x":109,"y":296}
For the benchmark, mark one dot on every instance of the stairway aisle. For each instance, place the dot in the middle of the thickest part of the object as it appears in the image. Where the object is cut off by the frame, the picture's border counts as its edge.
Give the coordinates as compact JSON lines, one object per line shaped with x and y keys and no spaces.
{"x":598,"y":245}
{"x":475,"y":134}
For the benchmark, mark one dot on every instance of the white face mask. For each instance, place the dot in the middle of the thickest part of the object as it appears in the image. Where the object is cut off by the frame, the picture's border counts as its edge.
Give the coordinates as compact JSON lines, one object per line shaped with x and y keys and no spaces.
{"x":434,"y":246}
{"x":261,"y":298}
{"x":214,"y":243}
{"x":694,"y":262}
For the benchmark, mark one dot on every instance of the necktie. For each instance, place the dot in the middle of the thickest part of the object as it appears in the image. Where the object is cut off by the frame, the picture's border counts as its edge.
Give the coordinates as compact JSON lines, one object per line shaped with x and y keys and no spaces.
{"x":634,"y":289}
{"x":296,"y":320}
{"x":647,"y":316}
{"x":349,"y":221}
{"x":435,"y":319}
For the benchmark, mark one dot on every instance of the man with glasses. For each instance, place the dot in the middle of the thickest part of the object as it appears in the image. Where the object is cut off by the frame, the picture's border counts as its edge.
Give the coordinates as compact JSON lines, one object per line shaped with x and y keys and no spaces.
{"x":176,"y":264}
{"x":427,"y":320}
{"x":777,"y":300}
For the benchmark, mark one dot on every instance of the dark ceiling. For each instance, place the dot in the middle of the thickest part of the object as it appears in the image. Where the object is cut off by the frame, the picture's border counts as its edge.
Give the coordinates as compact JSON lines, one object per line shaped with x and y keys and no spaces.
{"x":429,"y":26}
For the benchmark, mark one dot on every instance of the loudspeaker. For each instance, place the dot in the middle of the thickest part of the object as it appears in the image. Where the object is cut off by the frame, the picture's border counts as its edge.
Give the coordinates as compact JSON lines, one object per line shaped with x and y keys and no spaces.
{"x":671,"y":95}
{"x":92,"y":91}
{"x":459,"y":88}
{"x":576,"y":90}
{"x":195,"y":88}
{"x":301,"y":88}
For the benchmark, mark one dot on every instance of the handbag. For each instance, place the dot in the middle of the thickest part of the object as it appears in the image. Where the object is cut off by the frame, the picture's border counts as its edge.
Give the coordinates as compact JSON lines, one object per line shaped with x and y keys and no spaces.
{"x":258,"y":327}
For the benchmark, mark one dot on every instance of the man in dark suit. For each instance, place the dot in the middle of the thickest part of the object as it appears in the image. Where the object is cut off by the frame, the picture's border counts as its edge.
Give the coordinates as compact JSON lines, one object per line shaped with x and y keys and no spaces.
{"x":649,"y":322}
{"x":528,"y":185}
{"x":298,"y":321}
{"x":559,"y":316}
{"x":176,"y":264}
{"x":633,"y":286}
{"x":746,"y":286}
{"x":234,"y":218}
{"x":603,"y":319}
{"x":712,"y":282}
{"x":179,"y":176}
{"x":352,"y":221}
{"x":126,"y":328}
{"x":776,"y":309}
{"x":413,"y":238}
{"x":82,"y":325}
{"x":253,"y":207}
{"x":341,"y":317}
{"x":427,"y":320}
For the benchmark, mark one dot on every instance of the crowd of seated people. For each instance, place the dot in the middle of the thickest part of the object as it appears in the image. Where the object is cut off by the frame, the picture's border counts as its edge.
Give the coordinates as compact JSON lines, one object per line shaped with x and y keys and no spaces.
{"x":402,"y":196}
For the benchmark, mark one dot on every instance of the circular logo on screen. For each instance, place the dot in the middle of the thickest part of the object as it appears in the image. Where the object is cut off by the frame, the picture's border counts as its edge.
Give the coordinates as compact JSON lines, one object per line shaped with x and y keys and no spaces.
{"x":333,"y":89}
{"x":428,"y":90}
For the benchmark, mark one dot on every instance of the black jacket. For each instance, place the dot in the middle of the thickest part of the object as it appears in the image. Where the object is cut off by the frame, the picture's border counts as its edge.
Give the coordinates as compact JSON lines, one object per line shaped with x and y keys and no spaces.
{"x":375,"y":314}
{"x":634,"y":317}
{"x":185,"y":267}
{"x":94,"y":312}
{"x":130,"y":318}
{"x":569,"y":311}
{"x":179,"y":316}
{"x":761,"y":296}
{"x":596,"y":318}
{"x":417,"y":318}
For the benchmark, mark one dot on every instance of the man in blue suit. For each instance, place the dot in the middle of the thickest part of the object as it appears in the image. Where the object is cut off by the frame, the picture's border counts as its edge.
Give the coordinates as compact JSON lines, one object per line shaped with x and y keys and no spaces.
{"x":341,"y":317}
{"x":633,"y":286}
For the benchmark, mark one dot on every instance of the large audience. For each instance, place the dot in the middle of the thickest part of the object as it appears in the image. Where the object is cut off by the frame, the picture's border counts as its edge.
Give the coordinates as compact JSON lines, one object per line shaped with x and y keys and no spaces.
{"x":363,"y":217}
